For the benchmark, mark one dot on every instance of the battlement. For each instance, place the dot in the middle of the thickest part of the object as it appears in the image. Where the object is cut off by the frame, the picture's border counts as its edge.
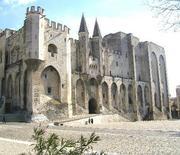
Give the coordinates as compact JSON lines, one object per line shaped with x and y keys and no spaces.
{"x":33,"y":9}
{"x":73,"y":41}
{"x":57,"y":26}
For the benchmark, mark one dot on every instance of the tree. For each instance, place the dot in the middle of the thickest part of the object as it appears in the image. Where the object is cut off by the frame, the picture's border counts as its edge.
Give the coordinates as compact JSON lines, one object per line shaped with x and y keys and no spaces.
{"x":168,"y":11}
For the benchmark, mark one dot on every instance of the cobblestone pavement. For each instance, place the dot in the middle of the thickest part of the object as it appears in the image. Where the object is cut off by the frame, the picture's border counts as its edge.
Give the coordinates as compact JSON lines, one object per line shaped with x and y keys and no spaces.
{"x":153,"y":137}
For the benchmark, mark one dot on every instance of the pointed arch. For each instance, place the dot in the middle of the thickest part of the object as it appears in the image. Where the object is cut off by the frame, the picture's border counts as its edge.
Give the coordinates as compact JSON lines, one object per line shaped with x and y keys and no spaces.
{"x":114,"y":94}
{"x":155,"y":77}
{"x":51,"y":82}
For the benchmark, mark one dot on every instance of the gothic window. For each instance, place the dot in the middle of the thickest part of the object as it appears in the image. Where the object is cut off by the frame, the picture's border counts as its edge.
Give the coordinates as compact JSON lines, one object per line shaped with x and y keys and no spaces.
{"x":52,"y":49}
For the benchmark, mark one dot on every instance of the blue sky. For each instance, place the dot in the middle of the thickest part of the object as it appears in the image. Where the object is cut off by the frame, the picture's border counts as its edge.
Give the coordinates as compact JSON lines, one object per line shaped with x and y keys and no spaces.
{"x":129,"y":16}
{"x":12,"y":12}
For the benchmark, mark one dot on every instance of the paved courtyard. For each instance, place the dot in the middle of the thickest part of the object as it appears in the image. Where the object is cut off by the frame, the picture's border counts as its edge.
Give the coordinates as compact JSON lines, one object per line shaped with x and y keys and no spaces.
{"x":153,"y":137}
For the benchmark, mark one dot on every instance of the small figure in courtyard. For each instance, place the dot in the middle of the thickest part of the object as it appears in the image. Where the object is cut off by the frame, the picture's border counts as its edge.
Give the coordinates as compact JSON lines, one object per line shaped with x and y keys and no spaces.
{"x":89,"y":121}
{"x":92,"y":121}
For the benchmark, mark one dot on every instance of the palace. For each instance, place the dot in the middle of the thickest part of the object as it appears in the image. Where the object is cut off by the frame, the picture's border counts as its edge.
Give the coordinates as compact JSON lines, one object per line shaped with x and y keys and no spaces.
{"x":44,"y":71}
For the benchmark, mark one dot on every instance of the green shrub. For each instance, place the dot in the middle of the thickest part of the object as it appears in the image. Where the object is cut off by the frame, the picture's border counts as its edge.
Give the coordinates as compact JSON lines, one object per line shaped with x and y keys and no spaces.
{"x":52,"y":145}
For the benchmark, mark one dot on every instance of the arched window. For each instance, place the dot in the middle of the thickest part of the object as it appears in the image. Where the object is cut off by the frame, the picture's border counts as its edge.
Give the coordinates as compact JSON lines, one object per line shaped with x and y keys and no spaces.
{"x":52,"y":49}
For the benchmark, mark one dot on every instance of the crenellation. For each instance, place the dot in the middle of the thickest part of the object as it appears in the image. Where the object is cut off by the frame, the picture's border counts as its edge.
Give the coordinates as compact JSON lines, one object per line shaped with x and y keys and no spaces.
{"x":53,"y":24}
{"x":56,"y":26}
{"x":33,"y":9}
{"x":59,"y":26}
{"x":66,"y":29}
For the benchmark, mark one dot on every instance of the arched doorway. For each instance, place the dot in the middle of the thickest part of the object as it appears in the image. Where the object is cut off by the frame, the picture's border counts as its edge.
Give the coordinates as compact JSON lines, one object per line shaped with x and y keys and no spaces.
{"x":51,"y":82}
{"x":105,"y":95}
{"x":93,"y":107}
{"x":114,"y":94}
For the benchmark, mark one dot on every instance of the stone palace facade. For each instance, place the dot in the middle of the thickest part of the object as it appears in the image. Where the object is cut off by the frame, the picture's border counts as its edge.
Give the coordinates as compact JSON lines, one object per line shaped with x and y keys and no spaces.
{"x":44,"y":71}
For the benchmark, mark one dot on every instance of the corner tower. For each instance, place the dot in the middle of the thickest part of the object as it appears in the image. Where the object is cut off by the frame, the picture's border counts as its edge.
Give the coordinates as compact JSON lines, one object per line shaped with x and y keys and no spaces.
{"x":34,"y":33}
{"x":83,"y":46}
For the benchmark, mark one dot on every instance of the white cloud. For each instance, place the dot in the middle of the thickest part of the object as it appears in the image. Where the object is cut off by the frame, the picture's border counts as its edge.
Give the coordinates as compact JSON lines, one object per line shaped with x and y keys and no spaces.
{"x":18,"y":2}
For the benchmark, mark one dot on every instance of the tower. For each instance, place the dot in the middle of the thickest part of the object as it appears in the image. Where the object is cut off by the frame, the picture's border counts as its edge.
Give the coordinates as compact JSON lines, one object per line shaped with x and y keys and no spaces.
{"x":34,"y":33}
{"x":97,"y":45}
{"x":83,"y":46}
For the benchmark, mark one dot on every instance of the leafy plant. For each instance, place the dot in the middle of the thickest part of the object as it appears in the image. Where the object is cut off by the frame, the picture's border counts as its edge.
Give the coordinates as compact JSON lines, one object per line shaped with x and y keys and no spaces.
{"x":52,"y":145}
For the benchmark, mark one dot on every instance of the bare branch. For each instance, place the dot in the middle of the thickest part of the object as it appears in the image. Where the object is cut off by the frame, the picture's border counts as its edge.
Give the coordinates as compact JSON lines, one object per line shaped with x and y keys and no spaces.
{"x":168,"y":10}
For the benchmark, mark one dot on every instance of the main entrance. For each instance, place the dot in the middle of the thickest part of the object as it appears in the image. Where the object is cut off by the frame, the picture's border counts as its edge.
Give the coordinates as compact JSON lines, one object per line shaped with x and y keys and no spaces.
{"x":93,"y":108}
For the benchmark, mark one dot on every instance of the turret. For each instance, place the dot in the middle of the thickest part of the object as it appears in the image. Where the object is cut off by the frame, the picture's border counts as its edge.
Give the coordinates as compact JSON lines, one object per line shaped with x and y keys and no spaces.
{"x":97,"y":45}
{"x":34,"y":33}
{"x":96,"y":32}
{"x":83,"y":46}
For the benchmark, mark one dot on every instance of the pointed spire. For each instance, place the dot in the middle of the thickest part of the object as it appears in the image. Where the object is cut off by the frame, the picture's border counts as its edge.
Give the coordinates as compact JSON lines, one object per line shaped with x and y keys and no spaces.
{"x":83,"y":26}
{"x":96,"y":32}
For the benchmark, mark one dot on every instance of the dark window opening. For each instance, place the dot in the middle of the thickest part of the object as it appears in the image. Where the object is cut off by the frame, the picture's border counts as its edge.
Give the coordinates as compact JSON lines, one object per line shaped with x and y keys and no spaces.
{"x":103,"y":95}
{"x":49,"y":90}
{"x":116,"y":63}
